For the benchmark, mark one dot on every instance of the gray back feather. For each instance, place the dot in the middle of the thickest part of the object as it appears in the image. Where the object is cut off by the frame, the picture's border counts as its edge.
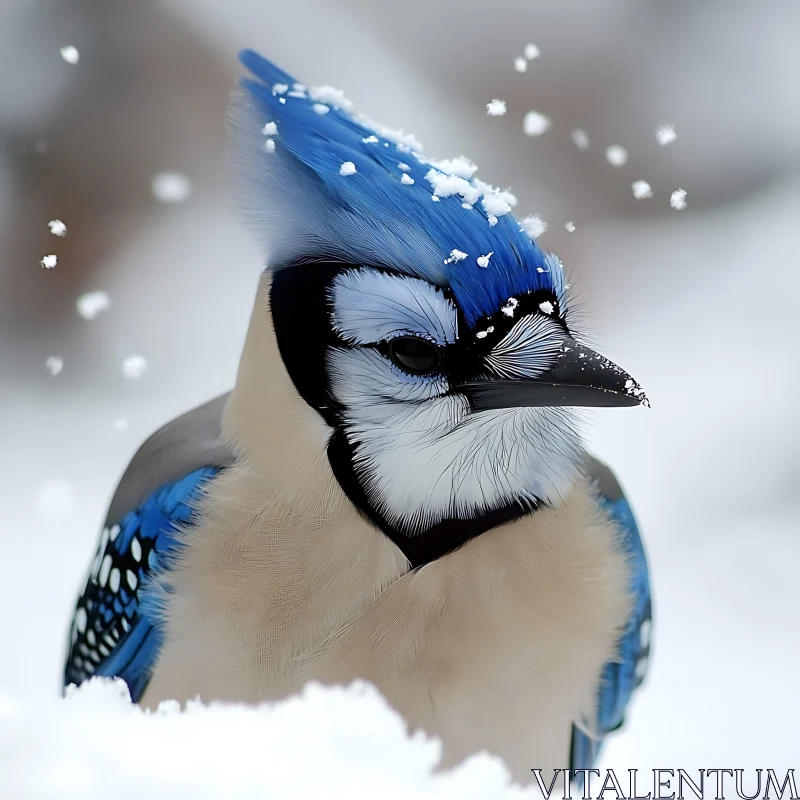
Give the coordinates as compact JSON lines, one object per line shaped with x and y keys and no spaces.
{"x":189,"y":442}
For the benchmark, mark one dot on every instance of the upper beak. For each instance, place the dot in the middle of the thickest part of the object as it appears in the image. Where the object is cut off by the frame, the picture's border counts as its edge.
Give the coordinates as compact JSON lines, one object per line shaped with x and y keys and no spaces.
{"x":580,"y":377}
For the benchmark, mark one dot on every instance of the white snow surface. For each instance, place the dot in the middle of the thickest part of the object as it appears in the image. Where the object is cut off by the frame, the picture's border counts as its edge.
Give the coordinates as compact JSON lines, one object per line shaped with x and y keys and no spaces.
{"x":337,"y":742}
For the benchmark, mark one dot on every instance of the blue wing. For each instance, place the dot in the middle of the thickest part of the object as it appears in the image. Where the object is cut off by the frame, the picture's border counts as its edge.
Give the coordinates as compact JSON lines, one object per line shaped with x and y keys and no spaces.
{"x":619,"y":678}
{"x":113,"y":633}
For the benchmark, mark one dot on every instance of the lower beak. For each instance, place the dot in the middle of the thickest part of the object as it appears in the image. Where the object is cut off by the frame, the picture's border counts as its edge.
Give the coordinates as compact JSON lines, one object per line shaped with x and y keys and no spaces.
{"x":580,"y":377}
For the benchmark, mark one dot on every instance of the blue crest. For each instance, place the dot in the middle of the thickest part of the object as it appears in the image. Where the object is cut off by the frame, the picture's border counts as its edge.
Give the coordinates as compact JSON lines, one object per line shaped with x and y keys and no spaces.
{"x":321,"y":182}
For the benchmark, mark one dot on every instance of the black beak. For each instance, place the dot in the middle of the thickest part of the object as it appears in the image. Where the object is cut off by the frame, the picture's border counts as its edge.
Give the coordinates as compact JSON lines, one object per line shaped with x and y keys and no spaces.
{"x":580,"y":377}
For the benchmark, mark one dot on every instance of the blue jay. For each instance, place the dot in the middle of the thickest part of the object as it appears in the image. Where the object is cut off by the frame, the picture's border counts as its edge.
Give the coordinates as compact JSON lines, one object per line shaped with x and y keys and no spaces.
{"x":395,"y":489}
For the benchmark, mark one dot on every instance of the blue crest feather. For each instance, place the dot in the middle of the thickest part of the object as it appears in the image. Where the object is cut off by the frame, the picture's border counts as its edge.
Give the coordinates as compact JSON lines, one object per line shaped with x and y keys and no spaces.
{"x":304,"y":209}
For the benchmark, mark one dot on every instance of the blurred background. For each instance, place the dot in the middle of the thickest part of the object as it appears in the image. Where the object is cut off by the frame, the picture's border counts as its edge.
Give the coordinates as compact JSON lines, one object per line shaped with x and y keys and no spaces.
{"x":125,"y":146}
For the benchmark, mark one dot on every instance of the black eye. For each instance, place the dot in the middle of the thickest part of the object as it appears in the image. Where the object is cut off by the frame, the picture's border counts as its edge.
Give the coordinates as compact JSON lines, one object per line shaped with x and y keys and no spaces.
{"x":414,"y":355}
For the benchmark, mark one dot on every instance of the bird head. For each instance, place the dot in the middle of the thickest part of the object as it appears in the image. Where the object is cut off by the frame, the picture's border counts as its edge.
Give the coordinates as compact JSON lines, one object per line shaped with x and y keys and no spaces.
{"x":413,"y":311}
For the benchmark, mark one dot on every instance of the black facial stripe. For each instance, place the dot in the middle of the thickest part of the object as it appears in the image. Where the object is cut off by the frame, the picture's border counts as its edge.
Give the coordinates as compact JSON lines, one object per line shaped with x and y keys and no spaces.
{"x":424,"y":546}
{"x":301,"y":316}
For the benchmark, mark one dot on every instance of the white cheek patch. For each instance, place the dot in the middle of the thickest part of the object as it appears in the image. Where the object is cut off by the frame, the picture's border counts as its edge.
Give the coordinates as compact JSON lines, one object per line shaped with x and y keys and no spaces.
{"x":528,"y":350}
{"x":425,"y":462}
{"x":371,"y":306}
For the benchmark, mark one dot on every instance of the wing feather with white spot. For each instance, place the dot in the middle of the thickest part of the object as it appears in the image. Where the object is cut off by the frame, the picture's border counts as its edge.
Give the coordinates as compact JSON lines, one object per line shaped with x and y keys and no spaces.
{"x":115,"y":631}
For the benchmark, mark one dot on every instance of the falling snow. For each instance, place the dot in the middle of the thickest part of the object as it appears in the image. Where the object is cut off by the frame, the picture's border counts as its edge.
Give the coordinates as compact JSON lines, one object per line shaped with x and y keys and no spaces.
{"x":531,"y":51}
{"x":70,"y":54}
{"x":520,"y":64}
{"x":171,"y":187}
{"x":49,"y":262}
{"x":678,"y":199}
{"x":616,"y":155}
{"x":269,"y":146}
{"x":54,"y":365}
{"x":57,"y":227}
{"x":570,"y":226}
{"x":666,"y":134}
{"x":133,"y":367}
{"x":533,"y":225}
{"x":91,"y":304}
{"x":535,"y":124}
{"x":496,"y":108}
{"x":641,"y":189}
{"x":581,"y":139}
{"x":347,"y":168}
{"x":270,"y":129}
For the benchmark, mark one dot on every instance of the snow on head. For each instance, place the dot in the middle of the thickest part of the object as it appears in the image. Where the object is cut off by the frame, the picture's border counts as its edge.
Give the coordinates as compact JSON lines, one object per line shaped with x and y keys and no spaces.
{"x":347,"y":168}
{"x":57,"y":227}
{"x":321,"y":108}
{"x":496,"y":108}
{"x":455,"y":257}
{"x":70,"y":54}
{"x":520,"y":64}
{"x":331,"y":97}
{"x":641,"y":189}
{"x":49,"y":262}
{"x":92,"y":303}
{"x":133,"y":367}
{"x":269,"y":146}
{"x":54,"y":365}
{"x":483,"y":261}
{"x":460,"y":166}
{"x":580,"y":138}
{"x":535,"y":124}
{"x":678,"y":199}
{"x":84,"y":746}
{"x":270,"y":129}
{"x":533,"y":225}
{"x":406,"y":179}
{"x":666,"y":134}
{"x":171,"y":187}
{"x":616,"y":155}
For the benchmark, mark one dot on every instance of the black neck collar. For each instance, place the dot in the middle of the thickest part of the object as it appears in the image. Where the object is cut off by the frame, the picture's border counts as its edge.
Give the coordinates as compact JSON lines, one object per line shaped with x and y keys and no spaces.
{"x":425,"y":546}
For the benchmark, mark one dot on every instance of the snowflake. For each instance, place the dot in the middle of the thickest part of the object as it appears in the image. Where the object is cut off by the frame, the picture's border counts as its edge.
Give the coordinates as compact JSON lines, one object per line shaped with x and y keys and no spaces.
{"x":171,"y":187}
{"x":57,"y":227}
{"x":92,"y":303}
{"x":347,"y":168}
{"x":616,"y":155}
{"x":641,"y":189}
{"x":535,"y":124}
{"x":666,"y":134}
{"x":496,"y":108}
{"x":70,"y":54}
{"x":678,"y":199}
{"x":49,"y":262}
{"x":133,"y":367}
